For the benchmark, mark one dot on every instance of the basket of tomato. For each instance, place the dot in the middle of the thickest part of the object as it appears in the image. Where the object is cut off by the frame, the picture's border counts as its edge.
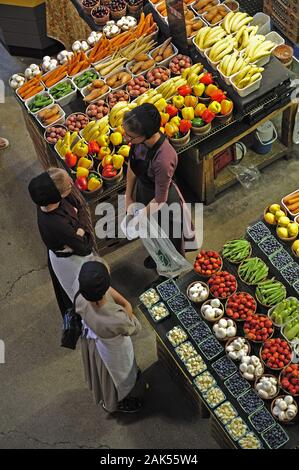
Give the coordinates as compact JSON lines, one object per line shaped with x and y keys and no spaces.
{"x":240,"y":306}
{"x":222,"y":284}
{"x":208,"y":263}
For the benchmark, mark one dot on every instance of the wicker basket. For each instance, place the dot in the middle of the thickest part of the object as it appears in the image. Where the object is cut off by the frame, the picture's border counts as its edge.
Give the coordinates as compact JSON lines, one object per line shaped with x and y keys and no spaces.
{"x":267,"y":210}
{"x":207,"y":277}
{"x":224,"y":340}
{"x":241,"y":319}
{"x":230,"y":340}
{"x":96,"y":192}
{"x":111,"y":181}
{"x":239,"y":262}
{"x":180,"y":142}
{"x":272,"y":368}
{"x":192,"y":299}
{"x":208,"y":302}
{"x":246,"y":283}
{"x":261,"y":341}
{"x":280,"y":378}
{"x":289,"y":239}
{"x":285,"y":421}
{"x":267,"y":375}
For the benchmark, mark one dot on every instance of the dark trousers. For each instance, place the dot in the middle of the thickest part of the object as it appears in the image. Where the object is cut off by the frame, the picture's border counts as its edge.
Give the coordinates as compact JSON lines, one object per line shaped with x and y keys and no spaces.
{"x":62,"y":298}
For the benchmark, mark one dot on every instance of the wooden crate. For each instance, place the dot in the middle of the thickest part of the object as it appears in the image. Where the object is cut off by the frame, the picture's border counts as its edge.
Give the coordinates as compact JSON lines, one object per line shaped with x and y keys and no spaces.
{"x":178,"y":377}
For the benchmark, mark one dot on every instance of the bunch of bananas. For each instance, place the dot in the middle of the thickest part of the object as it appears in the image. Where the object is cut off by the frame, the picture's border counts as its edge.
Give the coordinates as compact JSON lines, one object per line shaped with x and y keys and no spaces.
{"x":169,"y":88}
{"x":258,"y":48}
{"x":95,"y":129}
{"x":247,"y":76}
{"x":221,"y":49}
{"x":154,"y":97}
{"x":118,"y":111}
{"x":208,"y":36}
{"x":244,"y":36}
{"x":233,"y":22}
{"x":232,"y":63}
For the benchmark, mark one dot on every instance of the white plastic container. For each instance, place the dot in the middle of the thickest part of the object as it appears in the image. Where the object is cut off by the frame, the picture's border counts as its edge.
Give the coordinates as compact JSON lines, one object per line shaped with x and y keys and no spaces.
{"x":263,"y":21}
{"x":293,"y":341}
{"x":58,"y":121}
{"x":113,"y":73}
{"x":272,"y":310}
{"x":165,"y":62}
{"x":225,"y":77}
{"x":201,"y":51}
{"x":212,"y":64}
{"x":30,"y":100}
{"x":248,"y":89}
{"x":190,"y":38}
{"x":65,"y":100}
{"x":163,"y":18}
{"x":284,"y":205}
{"x":203,"y":16}
{"x":277,"y":40}
{"x":84,"y":92}
{"x":129,"y":64}
{"x":81,"y":73}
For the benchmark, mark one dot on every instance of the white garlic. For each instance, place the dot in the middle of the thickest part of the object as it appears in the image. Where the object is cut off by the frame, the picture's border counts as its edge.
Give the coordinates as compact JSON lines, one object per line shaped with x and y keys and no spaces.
{"x":215,"y":303}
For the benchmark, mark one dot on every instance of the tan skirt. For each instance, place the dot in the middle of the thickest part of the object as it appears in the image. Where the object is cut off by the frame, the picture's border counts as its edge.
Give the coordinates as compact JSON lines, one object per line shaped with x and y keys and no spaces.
{"x":97,"y":376}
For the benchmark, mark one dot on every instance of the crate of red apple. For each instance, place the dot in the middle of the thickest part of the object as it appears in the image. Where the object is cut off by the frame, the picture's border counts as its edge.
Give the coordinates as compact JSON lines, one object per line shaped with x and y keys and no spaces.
{"x":195,"y":106}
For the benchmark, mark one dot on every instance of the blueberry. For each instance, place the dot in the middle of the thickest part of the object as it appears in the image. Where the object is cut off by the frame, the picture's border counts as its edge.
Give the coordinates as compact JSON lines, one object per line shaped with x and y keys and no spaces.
{"x":199,"y":332}
{"x":224,"y":367}
{"x":250,"y":401}
{"x":262,"y":419}
{"x":236,"y":385}
{"x":168,"y":289}
{"x":291,"y":273}
{"x":275,"y":437}
{"x":189,"y":317}
{"x":258,"y":231}
{"x":178,"y":303}
{"x":270,"y":245}
{"x":281,"y":259}
{"x":211,"y":347}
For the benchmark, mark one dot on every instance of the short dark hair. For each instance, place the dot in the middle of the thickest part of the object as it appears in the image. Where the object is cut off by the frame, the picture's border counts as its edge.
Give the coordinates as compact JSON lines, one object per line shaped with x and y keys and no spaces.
{"x":143,"y":120}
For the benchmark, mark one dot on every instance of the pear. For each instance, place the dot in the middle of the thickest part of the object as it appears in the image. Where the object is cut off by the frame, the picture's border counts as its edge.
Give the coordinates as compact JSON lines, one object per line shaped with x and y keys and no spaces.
{"x":283,"y":221}
{"x":274,"y":208}
{"x":282,"y":232}
{"x":279,"y":214}
{"x":293,"y":229}
{"x":295,"y":245}
{"x":270,"y":218}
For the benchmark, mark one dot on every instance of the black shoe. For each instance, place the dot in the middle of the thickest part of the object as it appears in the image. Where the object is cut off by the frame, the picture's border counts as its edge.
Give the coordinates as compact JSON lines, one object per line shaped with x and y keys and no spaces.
{"x":149,"y":263}
{"x":129,"y":405}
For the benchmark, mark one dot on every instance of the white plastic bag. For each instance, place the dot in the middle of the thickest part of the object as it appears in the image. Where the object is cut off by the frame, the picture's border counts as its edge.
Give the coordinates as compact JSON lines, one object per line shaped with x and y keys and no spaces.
{"x":170,"y":263}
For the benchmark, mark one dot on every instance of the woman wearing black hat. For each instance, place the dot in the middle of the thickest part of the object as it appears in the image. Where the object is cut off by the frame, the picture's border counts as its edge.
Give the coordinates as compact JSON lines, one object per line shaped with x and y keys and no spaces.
{"x":107,"y":350}
{"x":152,"y":163}
{"x":65,"y":227}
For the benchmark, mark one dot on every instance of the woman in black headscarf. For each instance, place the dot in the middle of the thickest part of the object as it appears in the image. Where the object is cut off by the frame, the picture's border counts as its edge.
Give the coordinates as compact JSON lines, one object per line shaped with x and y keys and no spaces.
{"x":107,"y":350}
{"x":65,"y":227}
{"x":152,"y":164}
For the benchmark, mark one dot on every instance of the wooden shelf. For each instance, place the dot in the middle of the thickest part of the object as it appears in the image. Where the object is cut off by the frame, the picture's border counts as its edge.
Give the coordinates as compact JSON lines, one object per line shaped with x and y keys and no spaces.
{"x":227,"y":178}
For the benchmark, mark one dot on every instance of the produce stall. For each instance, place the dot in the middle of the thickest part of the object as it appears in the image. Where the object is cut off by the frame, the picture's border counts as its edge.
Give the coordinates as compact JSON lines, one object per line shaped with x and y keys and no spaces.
{"x":226,"y":86}
{"x":229,"y":332}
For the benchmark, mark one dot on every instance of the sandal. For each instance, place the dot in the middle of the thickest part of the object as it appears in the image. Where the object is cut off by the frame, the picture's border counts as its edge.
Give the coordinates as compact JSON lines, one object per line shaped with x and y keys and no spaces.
{"x":4,"y":143}
{"x":129,"y":405}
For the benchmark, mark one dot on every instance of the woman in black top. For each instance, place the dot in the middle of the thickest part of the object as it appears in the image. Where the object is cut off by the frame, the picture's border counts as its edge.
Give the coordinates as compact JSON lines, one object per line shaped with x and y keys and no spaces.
{"x":65,"y":227}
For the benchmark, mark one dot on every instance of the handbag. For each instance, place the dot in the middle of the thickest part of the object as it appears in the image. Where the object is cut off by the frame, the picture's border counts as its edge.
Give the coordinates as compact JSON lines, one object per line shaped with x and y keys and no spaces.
{"x":72,"y":327}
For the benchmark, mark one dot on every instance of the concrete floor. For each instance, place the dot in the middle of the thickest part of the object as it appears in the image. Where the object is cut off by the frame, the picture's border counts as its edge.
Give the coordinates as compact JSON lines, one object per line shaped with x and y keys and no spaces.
{"x":44,"y":400}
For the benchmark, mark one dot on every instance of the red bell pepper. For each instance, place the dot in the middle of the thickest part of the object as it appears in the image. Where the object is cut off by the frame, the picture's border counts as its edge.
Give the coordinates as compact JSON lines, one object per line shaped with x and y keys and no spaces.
{"x":219,"y":96}
{"x":109,"y":171}
{"x":185,"y":126}
{"x":93,"y":148}
{"x":171,"y":110}
{"x":81,"y":183}
{"x":207,"y":79}
{"x":70,"y":159}
{"x":185,"y":90}
{"x":208,"y":116}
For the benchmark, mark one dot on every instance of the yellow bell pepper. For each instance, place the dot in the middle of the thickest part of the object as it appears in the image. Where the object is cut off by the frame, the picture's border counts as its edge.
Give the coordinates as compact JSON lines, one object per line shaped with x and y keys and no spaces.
{"x":80,"y":149}
{"x":171,"y":129}
{"x":116,"y":138}
{"x":199,"y":89}
{"x":103,"y":140}
{"x":215,"y":107}
{"x":175,"y":120}
{"x":94,"y":183}
{"x":104,"y":151}
{"x":188,"y":113}
{"x":107,"y":160}
{"x":118,"y":161}
{"x":81,"y":171}
{"x":84,"y":163}
{"x":124,"y":150}
{"x":164,"y":118}
{"x":199,"y":110}
{"x":161,"y":104}
{"x":178,"y":101}
{"x":191,"y":100}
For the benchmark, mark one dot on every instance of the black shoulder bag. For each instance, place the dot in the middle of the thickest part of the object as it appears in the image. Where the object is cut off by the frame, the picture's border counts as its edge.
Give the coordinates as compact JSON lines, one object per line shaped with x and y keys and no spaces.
{"x":72,"y":327}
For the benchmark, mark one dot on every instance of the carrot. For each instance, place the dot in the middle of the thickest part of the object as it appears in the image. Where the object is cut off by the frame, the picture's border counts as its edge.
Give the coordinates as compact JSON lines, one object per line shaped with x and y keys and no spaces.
{"x":29,"y":90}
{"x":56,"y":79}
{"x":151,"y":29}
{"x":28,"y":84}
{"x":33,"y":92}
{"x":75,"y":70}
{"x":289,"y":198}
